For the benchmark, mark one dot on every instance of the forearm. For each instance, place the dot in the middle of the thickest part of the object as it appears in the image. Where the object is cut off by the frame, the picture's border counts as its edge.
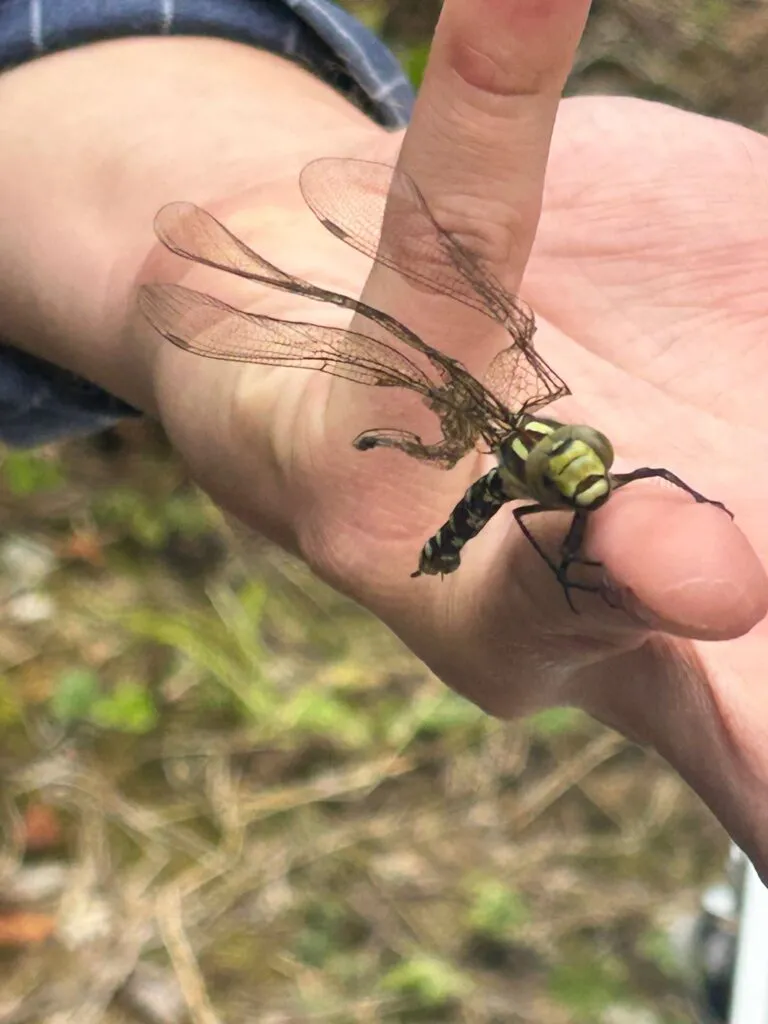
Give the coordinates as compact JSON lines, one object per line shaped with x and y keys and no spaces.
{"x":96,"y":139}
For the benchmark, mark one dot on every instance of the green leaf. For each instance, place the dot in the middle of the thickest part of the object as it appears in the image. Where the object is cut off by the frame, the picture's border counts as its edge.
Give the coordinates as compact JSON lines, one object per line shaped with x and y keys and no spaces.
{"x":74,"y":695}
{"x":186,"y":512}
{"x":26,"y":473}
{"x":414,"y":61}
{"x":428,"y":980}
{"x":227,"y":646}
{"x":323,"y":932}
{"x":655,"y":945}
{"x":496,"y":910}
{"x":149,"y":521}
{"x":129,"y":708}
{"x":590,"y":986}
{"x":321,"y":714}
{"x":11,"y":710}
{"x":555,"y":721}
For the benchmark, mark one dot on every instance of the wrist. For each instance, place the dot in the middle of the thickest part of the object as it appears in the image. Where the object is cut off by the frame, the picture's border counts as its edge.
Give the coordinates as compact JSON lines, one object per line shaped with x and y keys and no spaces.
{"x":140,"y":122}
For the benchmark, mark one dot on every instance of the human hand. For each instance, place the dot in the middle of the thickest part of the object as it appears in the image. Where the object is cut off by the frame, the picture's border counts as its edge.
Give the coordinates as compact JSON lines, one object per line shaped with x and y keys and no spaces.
{"x":654,"y":232}
{"x":633,"y":248}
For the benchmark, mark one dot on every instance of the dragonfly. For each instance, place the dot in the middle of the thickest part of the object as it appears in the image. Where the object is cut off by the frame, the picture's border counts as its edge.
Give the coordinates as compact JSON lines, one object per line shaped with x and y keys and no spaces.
{"x":381,"y":212}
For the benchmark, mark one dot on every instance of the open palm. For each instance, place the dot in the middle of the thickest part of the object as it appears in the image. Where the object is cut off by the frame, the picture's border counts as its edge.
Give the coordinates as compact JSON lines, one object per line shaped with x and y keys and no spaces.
{"x":655,"y":230}
{"x":646,"y":279}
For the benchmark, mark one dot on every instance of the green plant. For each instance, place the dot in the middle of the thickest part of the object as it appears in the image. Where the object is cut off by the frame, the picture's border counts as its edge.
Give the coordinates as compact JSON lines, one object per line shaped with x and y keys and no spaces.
{"x":656,"y":946}
{"x":227,"y":646}
{"x":589,"y":985}
{"x":78,"y":697}
{"x":11,"y":710}
{"x":149,"y":521}
{"x":414,"y":61}
{"x":428,"y":981}
{"x":554,"y":722}
{"x":496,"y":910}
{"x":26,"y":473}
{"x":128,"y":708}
{"x":323,"y":933}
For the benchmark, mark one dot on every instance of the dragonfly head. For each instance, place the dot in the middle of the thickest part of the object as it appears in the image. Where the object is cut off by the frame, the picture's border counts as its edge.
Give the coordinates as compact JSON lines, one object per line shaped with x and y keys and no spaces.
{"x":570,"y":468}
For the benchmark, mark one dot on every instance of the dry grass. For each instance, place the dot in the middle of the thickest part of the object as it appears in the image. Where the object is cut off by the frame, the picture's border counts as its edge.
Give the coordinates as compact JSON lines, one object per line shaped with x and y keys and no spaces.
{"x":301,"y":824}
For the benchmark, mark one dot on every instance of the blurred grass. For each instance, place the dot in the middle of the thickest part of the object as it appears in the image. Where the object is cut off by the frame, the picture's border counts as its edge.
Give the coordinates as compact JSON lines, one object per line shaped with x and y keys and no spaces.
{"x":258,"y":784}
{"x":268,"y":810}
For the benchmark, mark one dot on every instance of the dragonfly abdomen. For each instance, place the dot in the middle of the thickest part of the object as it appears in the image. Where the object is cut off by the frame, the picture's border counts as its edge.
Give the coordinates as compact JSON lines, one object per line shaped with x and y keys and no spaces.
{"x":442,"y":552}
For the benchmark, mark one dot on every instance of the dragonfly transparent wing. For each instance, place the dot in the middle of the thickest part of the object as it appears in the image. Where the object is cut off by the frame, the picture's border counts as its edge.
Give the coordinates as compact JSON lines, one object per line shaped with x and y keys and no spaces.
{"x":193,"y":233}
{"x":203,"y":325}
{"x":381,"y":212}
{"x":208,"y":327}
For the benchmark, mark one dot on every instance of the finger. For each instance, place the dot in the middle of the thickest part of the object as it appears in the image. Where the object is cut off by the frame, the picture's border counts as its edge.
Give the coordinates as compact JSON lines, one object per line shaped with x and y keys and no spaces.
{"x":680,"y":567}
{"x":480,"y":133}
{"x":477,"y":148}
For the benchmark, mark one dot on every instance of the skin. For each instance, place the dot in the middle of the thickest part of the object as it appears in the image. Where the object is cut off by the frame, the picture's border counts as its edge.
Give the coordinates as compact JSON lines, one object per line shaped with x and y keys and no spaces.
{"x":648,"y":277}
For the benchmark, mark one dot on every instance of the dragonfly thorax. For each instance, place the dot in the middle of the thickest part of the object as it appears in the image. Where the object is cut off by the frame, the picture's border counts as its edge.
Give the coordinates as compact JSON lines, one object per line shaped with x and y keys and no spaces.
{"x":560,"y":466}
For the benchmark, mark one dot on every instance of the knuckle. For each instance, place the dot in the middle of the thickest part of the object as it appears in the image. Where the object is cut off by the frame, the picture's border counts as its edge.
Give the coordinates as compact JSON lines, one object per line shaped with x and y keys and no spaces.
{"x":492,"y":229}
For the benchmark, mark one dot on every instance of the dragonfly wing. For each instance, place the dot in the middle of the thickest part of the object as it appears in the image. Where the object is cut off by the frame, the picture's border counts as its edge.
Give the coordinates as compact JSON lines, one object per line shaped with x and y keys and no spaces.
{"x":381,"y":212}
{"x":203,"y":325}
{"x":351,"y":198}
{"x":195,"y":234}
{"x":523,"y":380}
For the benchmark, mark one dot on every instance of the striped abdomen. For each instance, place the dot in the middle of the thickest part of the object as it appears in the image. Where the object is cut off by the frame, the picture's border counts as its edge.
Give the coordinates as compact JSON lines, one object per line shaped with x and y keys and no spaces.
{"x":442,"y":552}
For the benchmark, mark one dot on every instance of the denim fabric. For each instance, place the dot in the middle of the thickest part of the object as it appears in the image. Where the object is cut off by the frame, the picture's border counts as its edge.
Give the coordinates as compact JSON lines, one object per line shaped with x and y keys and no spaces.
{"x":40,"y":402}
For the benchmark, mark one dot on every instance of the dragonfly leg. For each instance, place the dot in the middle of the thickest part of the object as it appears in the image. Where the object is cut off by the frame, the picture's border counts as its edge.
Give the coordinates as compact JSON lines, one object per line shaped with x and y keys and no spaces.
{"x":442,"y":552}
{"x":570,"y":551}
{"x":645,"y":472}
{"x":444,"y":453}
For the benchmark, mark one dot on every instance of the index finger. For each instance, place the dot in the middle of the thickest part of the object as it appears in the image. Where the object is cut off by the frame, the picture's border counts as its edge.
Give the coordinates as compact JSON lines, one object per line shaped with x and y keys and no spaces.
{"x":479,"y":139}
{"x":477,"y":147}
